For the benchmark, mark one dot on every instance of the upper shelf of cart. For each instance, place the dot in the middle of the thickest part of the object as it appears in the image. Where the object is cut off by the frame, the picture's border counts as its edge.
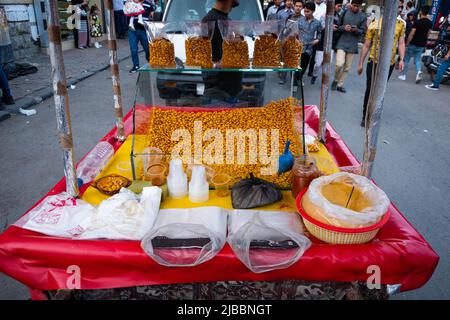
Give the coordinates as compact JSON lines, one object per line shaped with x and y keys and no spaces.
{"x":187,"y":69}
{"x":195,"y":10}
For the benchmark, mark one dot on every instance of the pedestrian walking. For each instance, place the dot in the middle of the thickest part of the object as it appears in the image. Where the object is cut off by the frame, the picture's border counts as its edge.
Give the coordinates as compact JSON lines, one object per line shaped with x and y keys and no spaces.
{"x":95,"y":26}
{"x":319,"y":14}
{"x":7,"y":97}
{"x":352,"y":26}
{"x":137,"y":35}
{"x":311,"y":33}
{"x":416,"y":42}
{"x":298,"y":8}
{"x":81,"y":32}
{"x":286,"y":12}
{"x":372,"y":45}
{"x":410,"y":8}
{"x":273,"y":10}
{"x":318,"y":60}
{"x":295,"y":16}
{"x":410,"y":19}
{"x":120,"y":20}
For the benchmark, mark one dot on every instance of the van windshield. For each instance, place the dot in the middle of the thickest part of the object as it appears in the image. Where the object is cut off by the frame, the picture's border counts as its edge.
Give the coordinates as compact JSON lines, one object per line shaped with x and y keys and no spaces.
{"x":195,"y":10}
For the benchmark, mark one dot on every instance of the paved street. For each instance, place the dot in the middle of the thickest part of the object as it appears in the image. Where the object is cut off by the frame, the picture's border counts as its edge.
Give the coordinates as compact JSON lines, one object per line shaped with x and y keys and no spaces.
{"x":412,"y":163}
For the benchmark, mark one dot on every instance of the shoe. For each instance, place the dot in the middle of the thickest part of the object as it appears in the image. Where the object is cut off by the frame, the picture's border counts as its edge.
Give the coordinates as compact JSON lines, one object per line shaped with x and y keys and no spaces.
{"x":432,"y":87}
{"x":8,"y":100}
{"x":334,"y":85}
{"x":419,"y":77}
{"x":134,"y":69}
{"x":341,"y":89}
{"x":313,"y":80}
{"x":98,"y":45}
{"x":402,"y":77}
{"x":363,"y":123}
{"x":281,"y":82}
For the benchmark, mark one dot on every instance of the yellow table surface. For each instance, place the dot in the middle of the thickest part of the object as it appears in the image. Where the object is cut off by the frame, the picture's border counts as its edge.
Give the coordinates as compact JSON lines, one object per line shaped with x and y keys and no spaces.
{"x":120,"y":164}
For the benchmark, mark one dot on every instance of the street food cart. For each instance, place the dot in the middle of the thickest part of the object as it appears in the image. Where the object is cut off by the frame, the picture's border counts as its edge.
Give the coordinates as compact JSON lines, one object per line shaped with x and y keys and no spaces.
{"x":67,"y":268}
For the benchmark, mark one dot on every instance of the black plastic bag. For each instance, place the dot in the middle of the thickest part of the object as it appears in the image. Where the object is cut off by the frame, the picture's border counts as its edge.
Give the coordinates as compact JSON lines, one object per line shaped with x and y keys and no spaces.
{"x":254,"y":192}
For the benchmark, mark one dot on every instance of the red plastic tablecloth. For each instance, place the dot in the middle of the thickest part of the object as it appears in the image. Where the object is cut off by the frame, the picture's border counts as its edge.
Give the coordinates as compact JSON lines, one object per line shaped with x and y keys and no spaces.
{"x":41,"y":262}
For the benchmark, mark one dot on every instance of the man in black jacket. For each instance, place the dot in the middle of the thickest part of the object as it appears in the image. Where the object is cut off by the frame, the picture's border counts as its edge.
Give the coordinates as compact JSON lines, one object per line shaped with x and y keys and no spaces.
{"x":221,"y":85}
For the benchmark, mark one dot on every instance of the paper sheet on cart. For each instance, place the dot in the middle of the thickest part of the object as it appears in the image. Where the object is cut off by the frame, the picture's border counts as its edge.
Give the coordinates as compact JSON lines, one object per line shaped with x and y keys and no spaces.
{"x":123,"y":216}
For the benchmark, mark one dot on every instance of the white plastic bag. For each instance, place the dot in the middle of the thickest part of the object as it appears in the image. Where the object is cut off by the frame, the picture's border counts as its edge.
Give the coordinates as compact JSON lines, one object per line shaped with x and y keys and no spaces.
{"x":266,"y":240}
{"x":322,"y":209}
{"x":59,"y":215}
{"x":125,"y":216}
{"x":186,"y":237}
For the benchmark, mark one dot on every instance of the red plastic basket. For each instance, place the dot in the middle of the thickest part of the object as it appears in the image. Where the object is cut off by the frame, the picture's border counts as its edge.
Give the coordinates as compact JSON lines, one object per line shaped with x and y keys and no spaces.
{"x":339,"y":235}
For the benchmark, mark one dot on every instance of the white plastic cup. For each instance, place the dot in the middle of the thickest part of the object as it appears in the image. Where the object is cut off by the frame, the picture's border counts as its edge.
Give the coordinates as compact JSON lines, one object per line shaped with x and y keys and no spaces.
{"x":177,"y":180}
{"x":198,"y":187}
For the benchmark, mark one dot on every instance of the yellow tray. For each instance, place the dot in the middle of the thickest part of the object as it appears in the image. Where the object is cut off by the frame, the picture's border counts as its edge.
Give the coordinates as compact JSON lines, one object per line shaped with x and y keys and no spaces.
{"x":120,"y":164}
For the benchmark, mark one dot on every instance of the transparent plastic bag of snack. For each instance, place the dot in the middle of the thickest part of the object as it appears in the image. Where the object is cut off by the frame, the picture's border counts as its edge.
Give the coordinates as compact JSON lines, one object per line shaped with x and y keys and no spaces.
{"x":198,"y":43}
{"x":235,"y":50}
{"x":267,"y":52}
{"x":266,"y":240}
{"x":162,"y":50}
{"x":291,"y":44}
{"x":186,"y":237}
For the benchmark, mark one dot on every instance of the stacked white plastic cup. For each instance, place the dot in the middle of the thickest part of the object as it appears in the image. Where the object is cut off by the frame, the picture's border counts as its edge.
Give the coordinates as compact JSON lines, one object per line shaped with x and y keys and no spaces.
{"x":177,"y":180}
{"x":198,"y":187}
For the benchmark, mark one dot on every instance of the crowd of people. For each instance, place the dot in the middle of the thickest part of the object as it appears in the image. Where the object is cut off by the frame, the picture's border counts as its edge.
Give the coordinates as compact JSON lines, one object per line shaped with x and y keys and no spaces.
{"x":129,"y":18}
{"x":351,"y":26}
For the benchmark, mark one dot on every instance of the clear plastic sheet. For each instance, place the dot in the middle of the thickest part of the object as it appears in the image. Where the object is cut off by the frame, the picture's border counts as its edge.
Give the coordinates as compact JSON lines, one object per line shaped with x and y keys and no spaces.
{"x":235,"y":47}
{"x":267,"y":52}
{"x":161,"y":47}
{"x":186,"y":237}
{"x":198,"y":44}
{"x":266,"y":240}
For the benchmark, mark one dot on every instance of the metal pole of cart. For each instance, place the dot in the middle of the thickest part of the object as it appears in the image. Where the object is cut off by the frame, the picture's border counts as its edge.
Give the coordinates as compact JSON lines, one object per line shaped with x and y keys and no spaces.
{"x":326,"y":69}
{"x":61,"y":97}
{"x":378,"y":90}
{"x":113,"y":62}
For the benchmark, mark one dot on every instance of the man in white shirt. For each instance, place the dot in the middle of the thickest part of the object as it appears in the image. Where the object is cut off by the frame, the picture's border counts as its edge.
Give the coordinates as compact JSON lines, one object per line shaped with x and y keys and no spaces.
{"x":321,"y":10}
{"x":317,"y":59}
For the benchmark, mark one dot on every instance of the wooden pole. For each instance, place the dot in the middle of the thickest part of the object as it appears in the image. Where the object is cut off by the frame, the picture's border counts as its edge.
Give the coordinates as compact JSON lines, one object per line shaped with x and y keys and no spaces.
{"x":326,"y":69}
{"x":113,"y":62}
{"x":61,"y":98}
{"x":378,"y":90}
